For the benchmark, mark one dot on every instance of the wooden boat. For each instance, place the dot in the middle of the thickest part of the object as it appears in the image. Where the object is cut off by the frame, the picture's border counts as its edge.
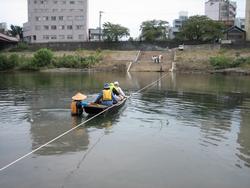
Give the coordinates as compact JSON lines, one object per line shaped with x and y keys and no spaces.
{"x":94,"y":108}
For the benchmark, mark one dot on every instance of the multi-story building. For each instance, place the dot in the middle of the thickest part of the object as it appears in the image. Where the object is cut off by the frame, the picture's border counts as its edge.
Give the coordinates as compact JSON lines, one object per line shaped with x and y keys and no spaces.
{"x":240,"y":23}
{"x":56,"y":21}
{"x":247,"y":23}
{"x":177,"y":24}
{"x":221,"y":10}
{"x":95,"y":34}
{"x":3,"y":27}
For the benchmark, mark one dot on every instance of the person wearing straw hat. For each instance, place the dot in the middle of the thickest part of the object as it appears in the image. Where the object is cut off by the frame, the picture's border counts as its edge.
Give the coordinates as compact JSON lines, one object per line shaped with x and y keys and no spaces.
{"x":77,"y":104}
{"x":106,"y":96}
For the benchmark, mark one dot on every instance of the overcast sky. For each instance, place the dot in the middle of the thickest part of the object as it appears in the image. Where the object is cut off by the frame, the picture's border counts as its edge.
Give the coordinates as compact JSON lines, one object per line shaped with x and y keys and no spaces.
{"x":128,"y":13}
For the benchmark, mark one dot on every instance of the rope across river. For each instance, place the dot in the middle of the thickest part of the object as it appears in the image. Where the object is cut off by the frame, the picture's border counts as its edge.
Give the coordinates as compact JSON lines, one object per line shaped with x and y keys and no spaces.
{"x":70,"y":130}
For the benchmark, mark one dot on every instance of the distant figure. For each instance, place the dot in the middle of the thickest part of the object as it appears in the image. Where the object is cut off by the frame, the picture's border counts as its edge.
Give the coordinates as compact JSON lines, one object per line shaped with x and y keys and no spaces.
{"x":154,"y":58}
{"x":159,"y":58}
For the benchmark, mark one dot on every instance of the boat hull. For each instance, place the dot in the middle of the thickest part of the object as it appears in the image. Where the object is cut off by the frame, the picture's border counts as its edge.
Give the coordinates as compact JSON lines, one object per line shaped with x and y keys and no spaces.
{"x":94,"y":108}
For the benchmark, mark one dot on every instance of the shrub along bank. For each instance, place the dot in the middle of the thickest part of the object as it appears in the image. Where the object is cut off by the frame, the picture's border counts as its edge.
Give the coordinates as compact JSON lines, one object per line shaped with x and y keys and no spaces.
{"x":213,"y":60}
{"x":45,"y":58}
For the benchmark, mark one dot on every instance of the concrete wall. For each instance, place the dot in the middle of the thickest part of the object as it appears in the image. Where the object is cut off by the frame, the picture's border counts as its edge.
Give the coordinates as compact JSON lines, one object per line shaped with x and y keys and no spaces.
{"x":125,"y":45}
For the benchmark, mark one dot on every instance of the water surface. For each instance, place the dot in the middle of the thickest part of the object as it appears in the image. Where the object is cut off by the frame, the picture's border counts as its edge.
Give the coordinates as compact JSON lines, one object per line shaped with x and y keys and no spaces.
{"x":185,"y":131}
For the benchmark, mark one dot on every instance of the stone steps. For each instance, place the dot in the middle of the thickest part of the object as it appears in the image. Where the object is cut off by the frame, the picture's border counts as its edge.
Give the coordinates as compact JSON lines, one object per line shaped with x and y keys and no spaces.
{"x":146,"y":64}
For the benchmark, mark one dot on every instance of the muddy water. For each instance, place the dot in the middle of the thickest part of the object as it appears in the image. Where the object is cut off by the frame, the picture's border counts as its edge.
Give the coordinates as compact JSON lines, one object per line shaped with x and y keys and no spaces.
{"x":185,"y":131}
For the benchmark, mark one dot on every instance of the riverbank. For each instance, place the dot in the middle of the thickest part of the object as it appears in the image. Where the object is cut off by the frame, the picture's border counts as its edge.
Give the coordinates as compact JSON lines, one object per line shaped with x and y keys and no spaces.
{"x":226,"y":61}
{"x":190,"y":60}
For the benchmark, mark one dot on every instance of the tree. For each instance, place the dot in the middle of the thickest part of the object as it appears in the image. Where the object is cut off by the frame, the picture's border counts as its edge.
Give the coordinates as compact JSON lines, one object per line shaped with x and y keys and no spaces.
{"x":114,"y":32}
{"x":200,"y":28}
{"x":16,"y":30}
{"x":154,"y":30}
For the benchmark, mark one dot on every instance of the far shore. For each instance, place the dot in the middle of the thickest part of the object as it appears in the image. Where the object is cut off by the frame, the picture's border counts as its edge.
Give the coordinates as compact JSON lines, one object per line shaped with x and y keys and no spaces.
{"x":190,"y":60}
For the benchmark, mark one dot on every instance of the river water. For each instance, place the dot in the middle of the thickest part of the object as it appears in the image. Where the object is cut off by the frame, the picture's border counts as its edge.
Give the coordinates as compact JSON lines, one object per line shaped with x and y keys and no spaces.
{"x":186,"y":131}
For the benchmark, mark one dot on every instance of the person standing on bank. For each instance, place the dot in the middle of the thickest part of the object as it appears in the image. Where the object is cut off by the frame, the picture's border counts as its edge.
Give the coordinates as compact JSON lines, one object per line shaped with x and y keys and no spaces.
{"x":106,"y":97}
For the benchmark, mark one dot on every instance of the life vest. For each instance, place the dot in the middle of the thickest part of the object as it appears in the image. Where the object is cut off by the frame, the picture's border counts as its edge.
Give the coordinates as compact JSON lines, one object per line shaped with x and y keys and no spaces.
{"x":107,"y":95}
{"x":76,"y":108}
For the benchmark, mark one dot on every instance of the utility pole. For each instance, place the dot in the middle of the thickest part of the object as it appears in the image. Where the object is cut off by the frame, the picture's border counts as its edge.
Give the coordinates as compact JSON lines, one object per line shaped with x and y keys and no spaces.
{"x":100,"y":24}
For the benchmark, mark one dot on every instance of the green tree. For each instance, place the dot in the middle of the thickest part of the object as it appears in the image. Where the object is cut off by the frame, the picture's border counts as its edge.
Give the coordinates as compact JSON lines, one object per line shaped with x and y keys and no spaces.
{"x":154,"y":30}
{"x":16,"y":30}
{"x":114,"y":32}
{"x":201,"y":28}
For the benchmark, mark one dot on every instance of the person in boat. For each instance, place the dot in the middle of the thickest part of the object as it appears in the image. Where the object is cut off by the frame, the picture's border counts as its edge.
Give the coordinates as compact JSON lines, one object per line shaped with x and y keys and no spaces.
{"x":77,"y":104}
{"x":114,"y":89}
{"x":106,"y":97}
{"x":119,"y":89}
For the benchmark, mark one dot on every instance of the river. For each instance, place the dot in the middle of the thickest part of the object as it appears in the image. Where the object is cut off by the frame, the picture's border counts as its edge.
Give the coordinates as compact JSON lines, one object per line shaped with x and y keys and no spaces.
{"x":186,"y":131}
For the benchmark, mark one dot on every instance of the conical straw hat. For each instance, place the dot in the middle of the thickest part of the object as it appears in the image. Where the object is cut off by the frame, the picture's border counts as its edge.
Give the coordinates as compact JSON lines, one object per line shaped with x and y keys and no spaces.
{"x":79,"y":97}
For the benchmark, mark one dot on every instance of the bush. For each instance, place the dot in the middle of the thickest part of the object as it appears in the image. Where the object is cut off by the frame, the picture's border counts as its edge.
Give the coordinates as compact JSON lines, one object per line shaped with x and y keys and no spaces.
{"x":8,"y":63}
{"x":3,"y":62}
{"x":43,"y":57}
{"x":27,"y":64}
{"x":67,"y":61}
{"x":239,"y":61}
{"x":70,"y":61}
{"x":220,"y":62}
{"x":14,"y":60}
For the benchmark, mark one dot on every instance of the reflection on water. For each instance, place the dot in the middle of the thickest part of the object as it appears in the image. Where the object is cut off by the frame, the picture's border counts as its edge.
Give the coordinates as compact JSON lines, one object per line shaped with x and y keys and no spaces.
{"x":201,"y":122}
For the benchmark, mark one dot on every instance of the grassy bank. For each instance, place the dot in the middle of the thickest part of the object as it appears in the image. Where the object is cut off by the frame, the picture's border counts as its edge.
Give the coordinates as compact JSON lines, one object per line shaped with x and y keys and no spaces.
{"x":45,"y":59}
{"x":213,"y":60}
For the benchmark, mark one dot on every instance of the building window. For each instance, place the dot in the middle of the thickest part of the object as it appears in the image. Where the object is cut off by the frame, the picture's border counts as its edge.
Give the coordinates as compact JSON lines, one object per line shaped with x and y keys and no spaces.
{"x":61,"y":37}
{"x":61,"y":18}
{"x":45,"y":18}
{"x":53,"y":37}
{"x":69,"y":27}
{"x":46,"y":27}
{"x":53,"y":27}
{"x":72,"y":2}
{"x":69,"y":36}
{"x":79,"y":27}
{"x":79,"y":2}
{"x":55,"y":2}
{"x":53,"y":18}
{"x":38,"y":27}
{"x":38,"y":18}
{"x":79,"y":18}
{"x":35,"y":2}
{"x":70,"y":18}
{"x":81,"y":36}
{"x":54,"y":10}
{"x":46,"y":37}
{"x":61,"y":27}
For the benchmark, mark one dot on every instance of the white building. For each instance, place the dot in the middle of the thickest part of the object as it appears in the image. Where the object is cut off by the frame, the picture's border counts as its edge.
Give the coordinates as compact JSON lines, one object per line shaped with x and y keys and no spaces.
{"x":240,"y":22}
{"x":177,"y":24}
{"x":56,"y":21}
{"x":3,"y":27}
{"x":220,"y":10}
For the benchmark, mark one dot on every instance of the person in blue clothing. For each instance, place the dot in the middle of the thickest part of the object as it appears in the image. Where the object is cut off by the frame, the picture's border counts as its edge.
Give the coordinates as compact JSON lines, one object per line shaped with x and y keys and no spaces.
{"x":106,"y":97}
